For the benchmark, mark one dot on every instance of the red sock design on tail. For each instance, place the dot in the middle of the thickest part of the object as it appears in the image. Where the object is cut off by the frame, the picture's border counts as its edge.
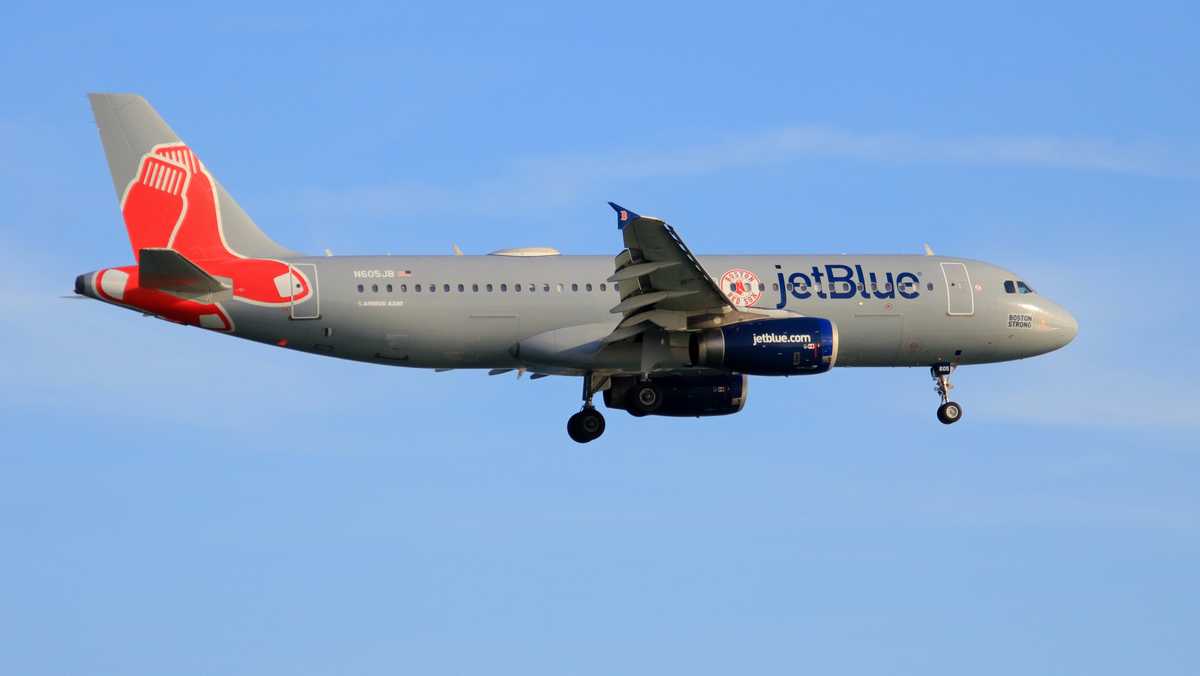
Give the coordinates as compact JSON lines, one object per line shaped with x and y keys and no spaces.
{"x":173,"y":203}
{"x":154,"y":202}
{"x":198,"y":236}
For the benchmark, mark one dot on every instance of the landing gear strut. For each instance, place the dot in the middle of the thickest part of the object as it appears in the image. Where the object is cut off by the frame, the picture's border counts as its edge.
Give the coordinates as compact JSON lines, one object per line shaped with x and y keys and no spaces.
{"x":949,"y":412}
{"x":586,"y":425}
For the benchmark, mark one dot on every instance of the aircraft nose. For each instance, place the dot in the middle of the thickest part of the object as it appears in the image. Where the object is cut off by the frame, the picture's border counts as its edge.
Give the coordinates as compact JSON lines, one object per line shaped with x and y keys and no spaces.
{"x":1063,"y":326}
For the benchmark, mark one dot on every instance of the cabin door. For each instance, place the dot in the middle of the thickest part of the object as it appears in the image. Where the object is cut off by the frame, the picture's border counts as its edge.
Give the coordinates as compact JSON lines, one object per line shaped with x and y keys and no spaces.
{"x":960,"y":297}
{"x":310,"y":307}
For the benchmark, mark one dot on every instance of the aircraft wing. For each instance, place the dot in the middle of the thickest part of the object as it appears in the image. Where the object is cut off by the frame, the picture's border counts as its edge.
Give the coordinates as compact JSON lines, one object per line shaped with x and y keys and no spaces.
{"x":661,"y":282}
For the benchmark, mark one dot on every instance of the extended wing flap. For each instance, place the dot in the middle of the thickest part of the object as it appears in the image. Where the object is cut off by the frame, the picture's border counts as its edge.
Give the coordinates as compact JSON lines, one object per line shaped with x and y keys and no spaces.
{"x":638,"y":301}
{"x":663,"y":285}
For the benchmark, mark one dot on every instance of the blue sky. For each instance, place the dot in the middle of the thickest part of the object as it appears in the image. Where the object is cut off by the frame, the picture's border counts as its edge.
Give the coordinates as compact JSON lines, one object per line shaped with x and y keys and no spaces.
{"x":176,"y":502}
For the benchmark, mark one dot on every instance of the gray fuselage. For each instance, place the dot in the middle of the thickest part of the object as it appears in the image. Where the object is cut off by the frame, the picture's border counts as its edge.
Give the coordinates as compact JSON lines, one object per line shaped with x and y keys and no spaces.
{"x":478,"y":311}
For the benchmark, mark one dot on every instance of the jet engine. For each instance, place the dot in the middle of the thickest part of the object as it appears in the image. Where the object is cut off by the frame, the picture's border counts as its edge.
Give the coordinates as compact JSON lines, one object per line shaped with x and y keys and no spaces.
{"x":678,"y":395}
{"x":769,"y":347}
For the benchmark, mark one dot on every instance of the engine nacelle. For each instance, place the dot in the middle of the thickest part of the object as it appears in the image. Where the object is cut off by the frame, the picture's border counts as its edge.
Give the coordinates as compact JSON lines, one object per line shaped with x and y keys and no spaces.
{"x":682,"y":396}
{"x":769,"y":347}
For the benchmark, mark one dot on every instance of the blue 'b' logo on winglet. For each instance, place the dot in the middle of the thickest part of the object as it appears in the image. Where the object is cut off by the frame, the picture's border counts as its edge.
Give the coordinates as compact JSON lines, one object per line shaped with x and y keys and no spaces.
{"x":623,"y":215}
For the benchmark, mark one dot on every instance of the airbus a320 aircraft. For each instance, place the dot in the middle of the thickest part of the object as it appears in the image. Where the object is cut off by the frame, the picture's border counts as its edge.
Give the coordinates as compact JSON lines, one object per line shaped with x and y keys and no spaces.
{"x":656,"y":329}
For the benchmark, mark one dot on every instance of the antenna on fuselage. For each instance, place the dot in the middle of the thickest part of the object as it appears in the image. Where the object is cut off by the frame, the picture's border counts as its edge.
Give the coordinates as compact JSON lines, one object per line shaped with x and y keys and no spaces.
{"x":928,"y":251}
{"x":457,"y":251}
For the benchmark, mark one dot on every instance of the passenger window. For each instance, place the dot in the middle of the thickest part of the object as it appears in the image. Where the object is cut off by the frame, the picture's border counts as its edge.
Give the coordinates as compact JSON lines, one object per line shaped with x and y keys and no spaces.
{"x":559,"y":287}
{"x":545,"y":288}
{"x":574,"y":287}
{"x":475,"y":288}
{"x":516,"y":287}
{"x":774,"y":286}
{"x":603,"y":287}
{"x":374,"y":288}
{"x":532,"y":287}
{"x":489,"y":288}
{"x":616,"y":286}
{"x":460,"y":288}
{"x":433,"y":288}
{"x":929,"y":286}
{"x":360,"y":288}
{"x":403,"y":288}
{"x":417,"y":288}
{"x":589,"y":286}
{"x":504,"y":287}
{"x":1009,"y":286}
{"x":389,"y":288}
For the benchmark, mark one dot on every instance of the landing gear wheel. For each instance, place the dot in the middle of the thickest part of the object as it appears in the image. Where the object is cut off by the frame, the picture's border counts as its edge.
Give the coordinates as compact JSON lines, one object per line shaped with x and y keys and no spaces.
{"x":644,"y":399}
{"x":586,"y":425}
{"x":949,"y":413}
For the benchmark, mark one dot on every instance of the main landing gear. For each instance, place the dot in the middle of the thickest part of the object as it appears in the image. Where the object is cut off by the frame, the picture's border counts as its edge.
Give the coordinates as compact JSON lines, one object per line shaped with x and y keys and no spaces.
{"x":586,"y":425}
{"x":949,"y":412}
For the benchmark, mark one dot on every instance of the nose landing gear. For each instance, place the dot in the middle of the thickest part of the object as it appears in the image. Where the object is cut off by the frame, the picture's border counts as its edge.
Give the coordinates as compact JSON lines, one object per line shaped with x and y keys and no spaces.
{"x":949,"y":412}
{"x":588,"y":424}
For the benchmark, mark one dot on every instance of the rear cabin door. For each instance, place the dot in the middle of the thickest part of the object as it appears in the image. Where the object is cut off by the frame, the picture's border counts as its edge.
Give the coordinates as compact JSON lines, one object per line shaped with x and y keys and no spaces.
{"x":960,"y":296}
{"x":310,"y":307}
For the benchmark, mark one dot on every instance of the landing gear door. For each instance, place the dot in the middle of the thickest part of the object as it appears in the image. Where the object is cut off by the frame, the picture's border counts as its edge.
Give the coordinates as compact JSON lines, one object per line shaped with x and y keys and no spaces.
{"x":960,"y":296}
{"x":305,"y":305}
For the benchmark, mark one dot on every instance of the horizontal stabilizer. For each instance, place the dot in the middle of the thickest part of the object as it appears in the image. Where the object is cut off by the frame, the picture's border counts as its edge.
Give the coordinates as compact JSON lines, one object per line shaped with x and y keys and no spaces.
{"x":168,"y":270}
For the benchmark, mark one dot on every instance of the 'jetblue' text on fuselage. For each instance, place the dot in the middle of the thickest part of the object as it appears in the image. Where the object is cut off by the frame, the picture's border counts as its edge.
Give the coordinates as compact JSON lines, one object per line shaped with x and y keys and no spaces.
{"x":843,"y":281}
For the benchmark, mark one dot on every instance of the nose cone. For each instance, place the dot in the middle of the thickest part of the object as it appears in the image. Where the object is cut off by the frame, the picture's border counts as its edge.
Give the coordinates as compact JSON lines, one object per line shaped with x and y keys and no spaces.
{"x":1060,"y":326}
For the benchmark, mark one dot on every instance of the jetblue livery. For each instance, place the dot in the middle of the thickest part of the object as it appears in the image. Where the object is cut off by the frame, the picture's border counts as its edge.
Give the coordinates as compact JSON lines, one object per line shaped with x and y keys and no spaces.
{"x":655,"y":329}
{"x":844,"y":281}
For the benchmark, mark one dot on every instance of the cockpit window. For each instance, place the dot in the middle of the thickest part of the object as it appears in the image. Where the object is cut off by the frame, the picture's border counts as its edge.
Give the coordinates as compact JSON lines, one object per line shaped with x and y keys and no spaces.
{"x":1023,"y":288}
{"x":1010,"y":286}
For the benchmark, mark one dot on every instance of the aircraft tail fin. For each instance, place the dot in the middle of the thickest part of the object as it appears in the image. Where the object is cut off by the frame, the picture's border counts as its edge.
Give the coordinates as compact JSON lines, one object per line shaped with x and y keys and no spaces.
{"x":168,"y":197}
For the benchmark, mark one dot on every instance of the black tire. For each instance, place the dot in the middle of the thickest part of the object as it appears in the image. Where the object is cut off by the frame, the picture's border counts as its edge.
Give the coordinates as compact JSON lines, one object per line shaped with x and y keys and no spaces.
{"x":586,"y":425}
{"x":591,"y":423}
{"x":645,"y":398}
{"x":949,"y":413}
{"x":574,"y":431}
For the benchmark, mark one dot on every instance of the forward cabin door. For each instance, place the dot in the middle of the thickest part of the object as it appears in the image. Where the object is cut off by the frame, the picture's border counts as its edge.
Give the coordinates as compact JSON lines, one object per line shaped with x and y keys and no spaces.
{"x":305,"y":308}
{"x":960,"y":296}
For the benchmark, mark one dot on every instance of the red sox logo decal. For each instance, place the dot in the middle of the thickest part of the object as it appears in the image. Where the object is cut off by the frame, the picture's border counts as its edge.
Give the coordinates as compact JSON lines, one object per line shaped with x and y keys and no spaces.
{"x":741,"y":287}
{"x":172,"y":202}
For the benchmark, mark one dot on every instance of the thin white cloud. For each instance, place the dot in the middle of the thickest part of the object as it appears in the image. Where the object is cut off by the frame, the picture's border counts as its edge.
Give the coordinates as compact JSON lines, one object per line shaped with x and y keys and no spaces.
{"x":557,"y":180}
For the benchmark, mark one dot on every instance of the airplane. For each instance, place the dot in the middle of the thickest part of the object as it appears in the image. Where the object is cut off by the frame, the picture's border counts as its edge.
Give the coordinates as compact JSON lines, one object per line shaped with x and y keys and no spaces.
{"x":656,"y":330}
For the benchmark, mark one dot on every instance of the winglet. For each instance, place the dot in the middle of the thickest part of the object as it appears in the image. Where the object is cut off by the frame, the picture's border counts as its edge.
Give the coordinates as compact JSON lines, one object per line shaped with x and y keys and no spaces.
{"x":624,"y":216}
